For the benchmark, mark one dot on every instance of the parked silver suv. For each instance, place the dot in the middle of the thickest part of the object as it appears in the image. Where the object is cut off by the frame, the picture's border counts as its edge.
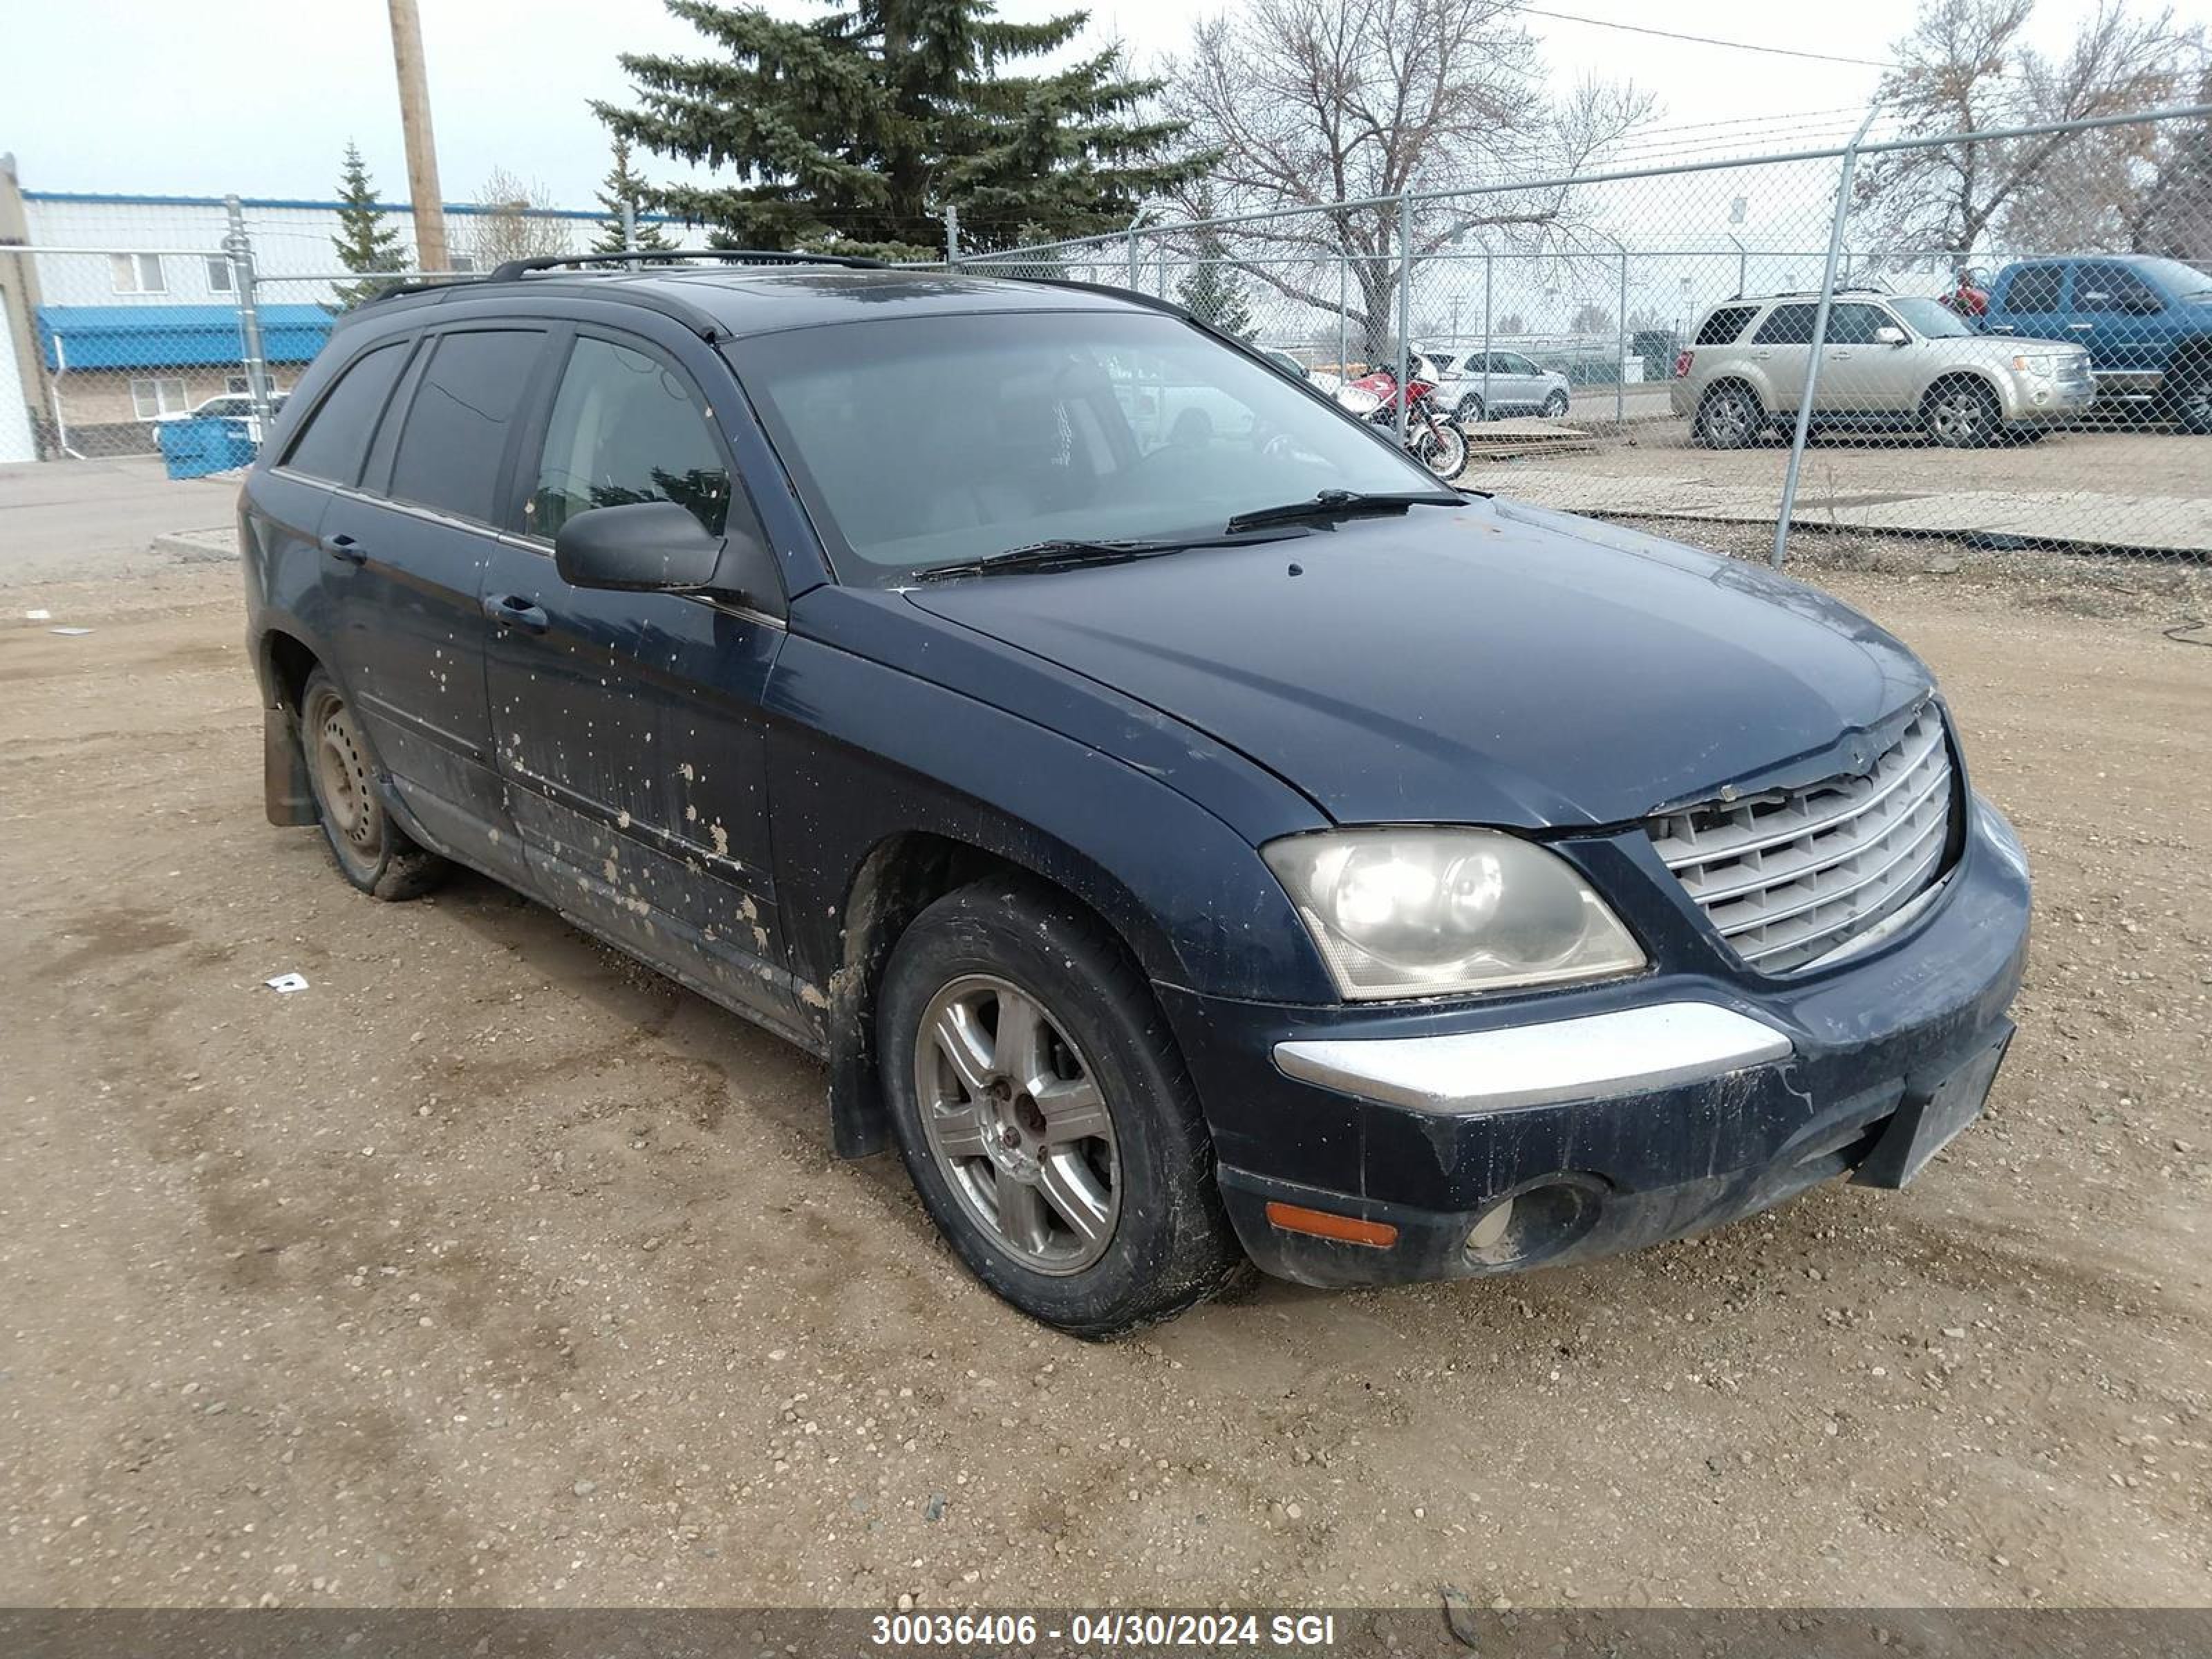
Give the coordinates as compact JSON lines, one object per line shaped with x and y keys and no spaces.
{"x":1890,"y":361}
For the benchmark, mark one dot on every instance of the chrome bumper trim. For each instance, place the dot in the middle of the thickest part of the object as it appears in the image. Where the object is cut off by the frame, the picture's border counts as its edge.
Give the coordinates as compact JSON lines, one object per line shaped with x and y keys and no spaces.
{"x":1629,"y":1051}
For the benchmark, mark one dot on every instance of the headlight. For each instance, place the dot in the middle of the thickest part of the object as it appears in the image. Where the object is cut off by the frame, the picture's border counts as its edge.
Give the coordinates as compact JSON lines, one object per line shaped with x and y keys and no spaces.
{"x":1409,"y":913}
{"x":1358,"y":399}
{"x":2040,"y":367}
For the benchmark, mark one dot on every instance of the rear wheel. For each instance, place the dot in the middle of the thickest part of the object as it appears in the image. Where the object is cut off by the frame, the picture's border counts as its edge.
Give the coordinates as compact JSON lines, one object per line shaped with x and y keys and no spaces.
{"x":1961,"y":415}
{"x":1044,"y":1115}
{"x":1729,"y":419}
{"x":1555,"y":406}
{"x":372,"y":852}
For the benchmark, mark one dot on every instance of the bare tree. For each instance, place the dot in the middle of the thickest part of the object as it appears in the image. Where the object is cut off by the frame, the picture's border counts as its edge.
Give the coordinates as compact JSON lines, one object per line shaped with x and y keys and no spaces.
{"x":1967,"y":67}
{"x":1314,"y":103}
{"x":2135,"y":189}
{"x":513,"y":222}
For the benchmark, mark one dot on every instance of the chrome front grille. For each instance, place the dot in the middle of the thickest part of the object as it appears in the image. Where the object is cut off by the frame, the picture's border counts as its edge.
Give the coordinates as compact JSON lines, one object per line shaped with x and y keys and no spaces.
{"x":1793,"y":875}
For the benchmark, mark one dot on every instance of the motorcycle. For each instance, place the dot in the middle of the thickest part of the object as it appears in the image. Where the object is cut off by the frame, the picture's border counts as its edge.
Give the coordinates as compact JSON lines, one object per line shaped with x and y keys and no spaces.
{"x":1433,"y":440}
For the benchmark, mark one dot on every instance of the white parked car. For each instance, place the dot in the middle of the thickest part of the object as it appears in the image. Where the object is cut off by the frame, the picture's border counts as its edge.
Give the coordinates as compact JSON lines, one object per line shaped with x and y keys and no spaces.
{"x":1479,"y":387}
{"x":225,"y":405}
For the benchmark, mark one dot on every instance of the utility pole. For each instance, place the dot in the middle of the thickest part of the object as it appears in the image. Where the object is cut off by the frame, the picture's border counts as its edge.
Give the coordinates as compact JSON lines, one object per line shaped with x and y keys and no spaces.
{"x":421,"y":142}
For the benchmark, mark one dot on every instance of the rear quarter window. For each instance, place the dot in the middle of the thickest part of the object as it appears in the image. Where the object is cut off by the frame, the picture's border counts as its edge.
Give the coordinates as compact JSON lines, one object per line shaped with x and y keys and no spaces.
{"x":1725,"y":326}
{"x":330,"y":444}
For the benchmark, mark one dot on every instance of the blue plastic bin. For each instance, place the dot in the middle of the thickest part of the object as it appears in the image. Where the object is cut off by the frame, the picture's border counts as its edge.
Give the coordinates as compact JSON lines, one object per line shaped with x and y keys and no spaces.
{"x":194,"y":448}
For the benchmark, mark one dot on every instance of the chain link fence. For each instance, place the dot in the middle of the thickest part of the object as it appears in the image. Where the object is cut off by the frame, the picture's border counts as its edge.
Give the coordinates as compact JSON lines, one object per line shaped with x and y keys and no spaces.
{"x":1740,"y":350}
{"x":1736,"y":351}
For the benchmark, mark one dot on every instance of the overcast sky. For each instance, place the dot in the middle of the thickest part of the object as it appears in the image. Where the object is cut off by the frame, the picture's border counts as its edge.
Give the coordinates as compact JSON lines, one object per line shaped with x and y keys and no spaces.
{"x":259,"y":97}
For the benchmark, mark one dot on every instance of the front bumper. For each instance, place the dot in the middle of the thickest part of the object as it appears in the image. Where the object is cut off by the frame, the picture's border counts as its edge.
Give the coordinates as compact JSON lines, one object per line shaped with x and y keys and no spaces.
{"x":1613,"y":1116}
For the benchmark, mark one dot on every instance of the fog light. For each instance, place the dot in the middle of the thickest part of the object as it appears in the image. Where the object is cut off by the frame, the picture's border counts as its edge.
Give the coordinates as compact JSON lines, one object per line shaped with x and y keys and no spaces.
{"x":1486,"y":1233}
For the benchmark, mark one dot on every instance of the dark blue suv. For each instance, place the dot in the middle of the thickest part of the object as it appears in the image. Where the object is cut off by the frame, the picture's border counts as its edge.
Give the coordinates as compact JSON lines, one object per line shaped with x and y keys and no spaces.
{"x":1188,"y":833}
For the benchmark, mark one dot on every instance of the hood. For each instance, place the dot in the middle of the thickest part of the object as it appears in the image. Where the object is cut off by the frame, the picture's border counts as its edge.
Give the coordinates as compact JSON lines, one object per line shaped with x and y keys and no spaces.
{"x":1494,"y":664}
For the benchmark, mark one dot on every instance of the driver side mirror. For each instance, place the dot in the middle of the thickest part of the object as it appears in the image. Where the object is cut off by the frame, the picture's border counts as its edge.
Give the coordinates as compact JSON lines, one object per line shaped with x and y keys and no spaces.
{"x":637,"y":547}
{"x":1890,"y":334}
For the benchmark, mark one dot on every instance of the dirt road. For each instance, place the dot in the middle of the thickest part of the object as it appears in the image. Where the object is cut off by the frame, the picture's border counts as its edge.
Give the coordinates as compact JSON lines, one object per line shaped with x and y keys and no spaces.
{"x":491,"y":1268}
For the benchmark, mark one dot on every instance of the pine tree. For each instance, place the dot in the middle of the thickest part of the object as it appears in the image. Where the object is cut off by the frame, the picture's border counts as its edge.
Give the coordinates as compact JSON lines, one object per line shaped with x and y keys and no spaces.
{"x":857,"y":129}
{"x":362,"y":242}
{"x":1211,"y":292}
{"x":620,"y":188}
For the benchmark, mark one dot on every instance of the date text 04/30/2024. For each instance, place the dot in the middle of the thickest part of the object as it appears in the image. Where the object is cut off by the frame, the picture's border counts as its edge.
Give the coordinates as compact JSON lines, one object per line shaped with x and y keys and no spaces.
{"x":1119,"y":1628}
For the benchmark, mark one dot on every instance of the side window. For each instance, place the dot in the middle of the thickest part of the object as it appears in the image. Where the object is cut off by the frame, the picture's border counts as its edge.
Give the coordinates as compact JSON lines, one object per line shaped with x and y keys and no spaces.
{"x":1725,"y":326}
{"x":1521,"y":365}
{"x":2114,"y":289}
{"x":457,"y":421}
{"x":626,"y":427}
{"x":330,"y":445}
{"x":1855,"y":325}
{"x":2035,"y":289}
{"x":1791,"y":324}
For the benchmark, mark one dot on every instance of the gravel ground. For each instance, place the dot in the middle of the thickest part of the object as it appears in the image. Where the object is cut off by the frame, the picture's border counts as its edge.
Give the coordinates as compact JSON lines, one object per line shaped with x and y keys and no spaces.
{"x":492,"y":1269}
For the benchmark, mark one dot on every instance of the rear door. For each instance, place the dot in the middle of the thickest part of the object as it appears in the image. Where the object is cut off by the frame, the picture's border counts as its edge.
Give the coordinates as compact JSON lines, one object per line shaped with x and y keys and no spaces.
{"x":416,"y":535}
{"x":1781,"y":350}
{"x":629,"y":727}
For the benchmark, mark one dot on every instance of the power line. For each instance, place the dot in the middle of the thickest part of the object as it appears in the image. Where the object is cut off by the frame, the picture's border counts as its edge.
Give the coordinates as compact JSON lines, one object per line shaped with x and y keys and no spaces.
{"x":1704,"y":39}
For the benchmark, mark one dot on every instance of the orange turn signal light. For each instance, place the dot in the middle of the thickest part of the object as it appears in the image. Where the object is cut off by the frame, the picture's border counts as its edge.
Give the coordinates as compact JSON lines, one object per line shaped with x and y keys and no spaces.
{"x":1345,"y":1229}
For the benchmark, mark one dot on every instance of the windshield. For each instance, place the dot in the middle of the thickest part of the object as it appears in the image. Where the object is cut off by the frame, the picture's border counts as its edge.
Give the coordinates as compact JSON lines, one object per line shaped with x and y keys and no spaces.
{"x":2184,"y":281}
{"x":917,"y":440}
{"x":1930,"y":319}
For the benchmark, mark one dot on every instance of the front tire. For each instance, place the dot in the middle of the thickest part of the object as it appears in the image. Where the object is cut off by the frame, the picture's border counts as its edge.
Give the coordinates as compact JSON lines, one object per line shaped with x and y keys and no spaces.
{"x":1441,"y":446}
{"x":1044,"y":1115}
{"x":1961,"y":415}
{"x":372,"y":852}
{"x":1470,"y":412}
{"x":1555,"y":406}
{"x":2190,"y":405}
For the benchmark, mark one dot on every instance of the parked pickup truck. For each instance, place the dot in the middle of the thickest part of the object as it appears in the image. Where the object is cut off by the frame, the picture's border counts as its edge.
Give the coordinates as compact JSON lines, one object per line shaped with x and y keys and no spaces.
{"x":2147,"y":323}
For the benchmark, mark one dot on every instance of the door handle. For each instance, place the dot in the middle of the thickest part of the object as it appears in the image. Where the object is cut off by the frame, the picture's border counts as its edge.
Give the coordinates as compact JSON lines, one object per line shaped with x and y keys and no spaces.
{"x":513,"y":610}
{"x":346,"y":548}
{"x":2081,"y":328}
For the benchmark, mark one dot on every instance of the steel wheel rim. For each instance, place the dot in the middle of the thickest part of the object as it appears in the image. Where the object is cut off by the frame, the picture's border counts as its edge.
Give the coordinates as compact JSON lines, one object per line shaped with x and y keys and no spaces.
{"x":342,"y":772}
{"x":1727,"y":422}
{"x":1017,"y":1125}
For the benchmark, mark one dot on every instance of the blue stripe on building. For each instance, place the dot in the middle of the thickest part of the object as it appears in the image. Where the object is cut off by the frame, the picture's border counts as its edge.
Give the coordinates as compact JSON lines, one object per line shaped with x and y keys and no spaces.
{"x":173,"y":337}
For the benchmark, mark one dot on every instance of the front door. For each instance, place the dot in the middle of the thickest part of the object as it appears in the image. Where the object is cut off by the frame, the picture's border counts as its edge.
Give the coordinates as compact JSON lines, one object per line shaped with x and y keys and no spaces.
{"x":1861,"y":373}
{"x":410,"y":546}
{"x":2116,"y":316}
{"x":628,"y":726}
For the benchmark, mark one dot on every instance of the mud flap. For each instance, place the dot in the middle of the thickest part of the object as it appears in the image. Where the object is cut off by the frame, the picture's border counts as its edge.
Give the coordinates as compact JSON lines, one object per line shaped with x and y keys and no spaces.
{"x":287,"y":796}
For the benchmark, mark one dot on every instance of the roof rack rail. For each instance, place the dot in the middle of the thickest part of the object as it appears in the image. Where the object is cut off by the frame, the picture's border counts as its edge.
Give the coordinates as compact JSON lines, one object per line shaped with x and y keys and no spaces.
{"x":745,"y":256}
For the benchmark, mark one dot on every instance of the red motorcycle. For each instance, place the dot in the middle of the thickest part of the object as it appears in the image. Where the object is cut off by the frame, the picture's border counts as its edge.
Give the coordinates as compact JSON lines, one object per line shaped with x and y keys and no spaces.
{"x":1434,"y":441}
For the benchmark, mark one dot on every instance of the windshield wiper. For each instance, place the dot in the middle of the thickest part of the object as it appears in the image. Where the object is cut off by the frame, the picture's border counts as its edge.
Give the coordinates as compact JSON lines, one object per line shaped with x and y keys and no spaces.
{"x":1066,"y":555}
{"x":1344,"y":504}
{"x":1076,"y":553}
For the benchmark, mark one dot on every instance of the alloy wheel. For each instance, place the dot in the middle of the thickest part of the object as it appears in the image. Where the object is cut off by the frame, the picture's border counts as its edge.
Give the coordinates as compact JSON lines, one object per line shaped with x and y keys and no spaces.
{"x":1018,"y":1124}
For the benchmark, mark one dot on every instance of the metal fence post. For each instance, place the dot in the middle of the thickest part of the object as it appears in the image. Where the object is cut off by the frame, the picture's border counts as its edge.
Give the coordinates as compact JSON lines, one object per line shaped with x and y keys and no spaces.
{"x":1405,"y":308}
{"x":1343,"y":302}
{"x":952,"y":233}
{"x":1820,"y":338}
{"x":1621,"y":354}
{"x":629,"y":227}
{"x":1136,"y":259}
{"x":1486,"y":326}
{"x":239,"y":247}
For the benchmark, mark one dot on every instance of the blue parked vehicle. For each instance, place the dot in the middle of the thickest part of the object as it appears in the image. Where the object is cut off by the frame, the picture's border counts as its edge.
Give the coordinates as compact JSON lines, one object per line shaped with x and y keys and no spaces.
{"x":2147,"y":323}
{"x":1186,"y":839}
